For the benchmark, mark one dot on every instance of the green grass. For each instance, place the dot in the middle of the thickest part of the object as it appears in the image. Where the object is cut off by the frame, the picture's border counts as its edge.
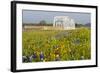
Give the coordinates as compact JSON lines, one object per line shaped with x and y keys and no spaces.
{"x":68,"y":44}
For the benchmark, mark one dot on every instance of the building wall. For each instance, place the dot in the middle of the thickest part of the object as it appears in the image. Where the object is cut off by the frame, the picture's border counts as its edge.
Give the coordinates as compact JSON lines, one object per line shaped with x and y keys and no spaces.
{"x":67,"y":22}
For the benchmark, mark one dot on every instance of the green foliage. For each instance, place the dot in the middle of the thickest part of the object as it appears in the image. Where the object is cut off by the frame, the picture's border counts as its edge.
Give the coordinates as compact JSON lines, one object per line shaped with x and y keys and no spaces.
{"x":63,"y":44}
{"x":79,"y":25}
{"x":43,"y":22}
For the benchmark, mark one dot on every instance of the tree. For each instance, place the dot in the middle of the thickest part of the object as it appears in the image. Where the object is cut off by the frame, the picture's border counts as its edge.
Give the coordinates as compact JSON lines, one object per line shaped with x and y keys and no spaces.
{"x":79,"y":25}
{"x":42,"y":22}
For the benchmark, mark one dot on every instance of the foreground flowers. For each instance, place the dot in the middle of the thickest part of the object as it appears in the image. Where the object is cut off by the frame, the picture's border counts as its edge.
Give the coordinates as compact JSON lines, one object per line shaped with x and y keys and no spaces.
{"x":45,"y":46}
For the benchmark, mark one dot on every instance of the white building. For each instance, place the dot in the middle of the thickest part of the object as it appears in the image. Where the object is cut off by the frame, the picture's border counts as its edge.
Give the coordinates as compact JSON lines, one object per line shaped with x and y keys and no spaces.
{"x":64,"y":22}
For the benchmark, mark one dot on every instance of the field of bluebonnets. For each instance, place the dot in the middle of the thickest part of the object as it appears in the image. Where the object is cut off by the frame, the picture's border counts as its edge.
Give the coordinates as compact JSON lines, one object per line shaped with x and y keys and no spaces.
{"x":56,"y":45}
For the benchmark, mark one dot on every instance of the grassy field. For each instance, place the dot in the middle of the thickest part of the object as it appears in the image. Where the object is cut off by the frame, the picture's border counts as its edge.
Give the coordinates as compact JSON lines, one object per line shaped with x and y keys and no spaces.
{"x":57,"y":45}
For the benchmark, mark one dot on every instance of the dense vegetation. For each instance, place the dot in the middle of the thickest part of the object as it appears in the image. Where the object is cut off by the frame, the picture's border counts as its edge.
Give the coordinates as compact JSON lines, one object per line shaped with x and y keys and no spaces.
{"x":57,"y":45}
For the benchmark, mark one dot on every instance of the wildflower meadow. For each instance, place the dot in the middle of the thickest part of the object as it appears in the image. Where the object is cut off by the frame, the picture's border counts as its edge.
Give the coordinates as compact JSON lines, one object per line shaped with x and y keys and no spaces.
{"x":56,"y":45}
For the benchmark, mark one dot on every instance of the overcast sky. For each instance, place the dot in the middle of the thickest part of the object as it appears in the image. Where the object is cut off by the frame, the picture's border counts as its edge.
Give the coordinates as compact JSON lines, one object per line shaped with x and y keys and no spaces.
{"x":32,"y":16}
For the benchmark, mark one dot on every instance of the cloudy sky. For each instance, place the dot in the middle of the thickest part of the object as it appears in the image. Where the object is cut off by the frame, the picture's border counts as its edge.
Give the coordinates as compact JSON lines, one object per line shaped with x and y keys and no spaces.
{"x":32,"y":16}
